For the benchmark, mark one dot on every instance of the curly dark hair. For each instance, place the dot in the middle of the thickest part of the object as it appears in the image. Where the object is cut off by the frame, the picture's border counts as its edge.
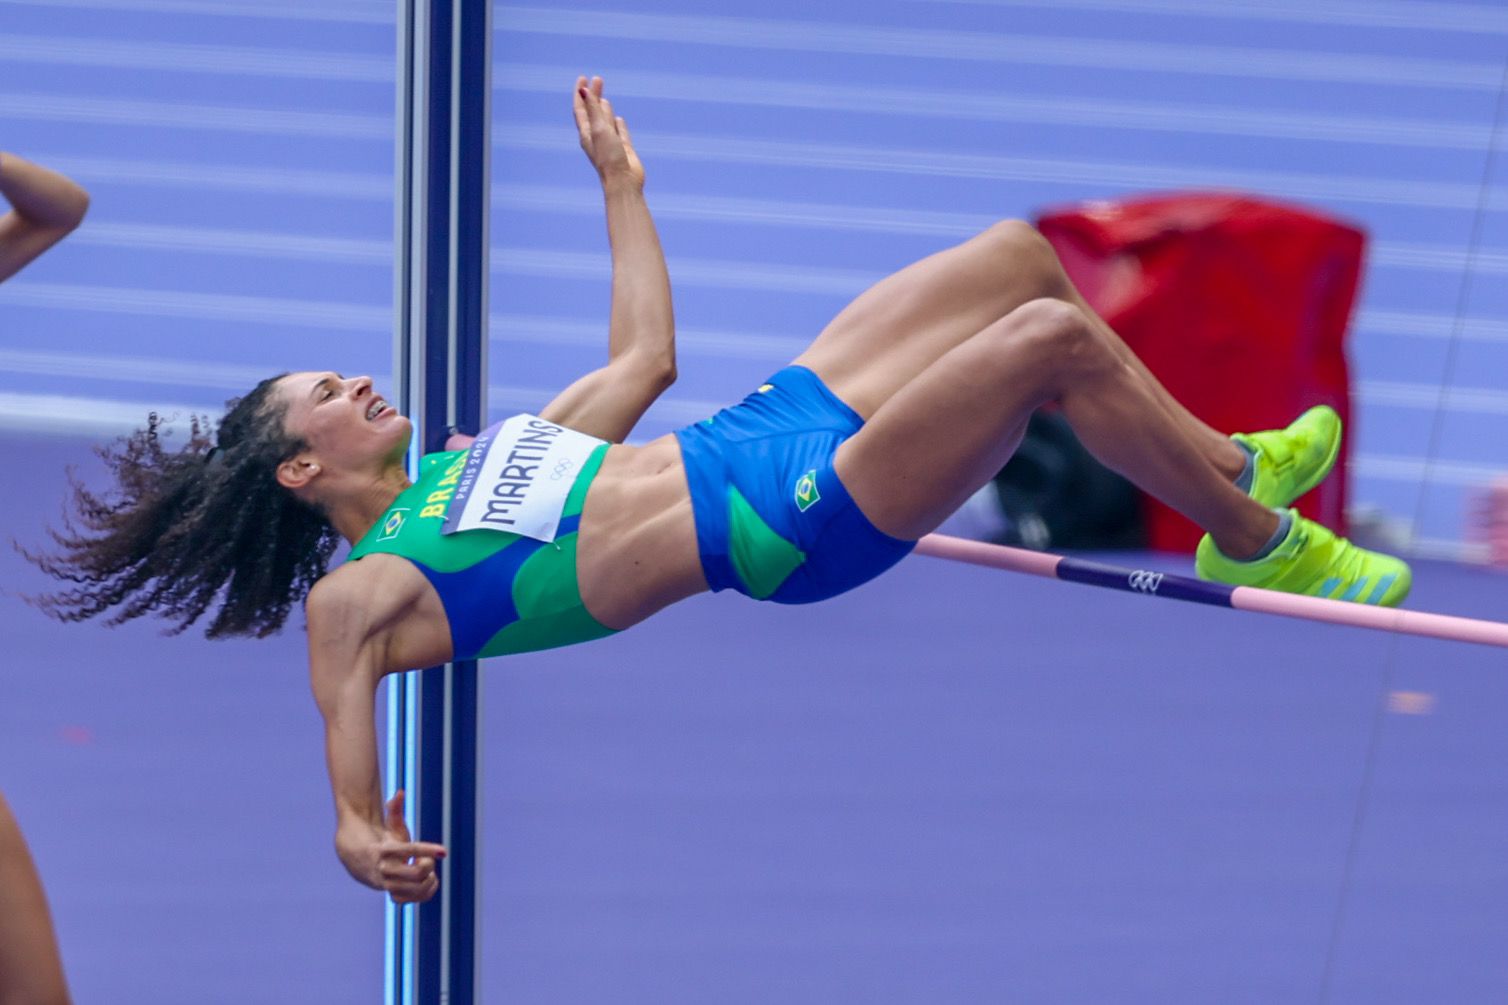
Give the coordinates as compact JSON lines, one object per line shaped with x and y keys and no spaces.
{"x":189,"y":527}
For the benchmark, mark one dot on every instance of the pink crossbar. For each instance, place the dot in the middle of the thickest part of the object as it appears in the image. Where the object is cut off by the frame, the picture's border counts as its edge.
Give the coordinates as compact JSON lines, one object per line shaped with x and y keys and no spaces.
{"x":1246,"y":598}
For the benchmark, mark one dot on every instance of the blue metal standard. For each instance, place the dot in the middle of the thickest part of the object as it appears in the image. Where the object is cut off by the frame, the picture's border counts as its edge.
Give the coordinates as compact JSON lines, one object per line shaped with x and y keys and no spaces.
{"x":440,"y":372}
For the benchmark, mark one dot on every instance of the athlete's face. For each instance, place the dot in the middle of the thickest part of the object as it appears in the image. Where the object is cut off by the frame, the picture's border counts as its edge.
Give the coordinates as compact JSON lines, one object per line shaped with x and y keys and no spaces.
{"x":343,"y":420}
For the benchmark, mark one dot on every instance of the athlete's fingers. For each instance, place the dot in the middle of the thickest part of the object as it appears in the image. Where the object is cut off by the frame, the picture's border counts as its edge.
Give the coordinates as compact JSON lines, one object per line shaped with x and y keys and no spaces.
{"x":403,"y":872}
{"x":417,"y":850}
{"x":578,"y":107}
{"x":413,"y":893}
{"x":623,"y":132}
{"x":398,"y":872}
{"x":404,"y":892}
{"x":393,"y":817}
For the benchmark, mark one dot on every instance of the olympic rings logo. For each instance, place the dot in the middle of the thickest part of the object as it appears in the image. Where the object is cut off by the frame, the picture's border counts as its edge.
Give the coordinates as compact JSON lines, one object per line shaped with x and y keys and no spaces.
{"x":1143,"y":581}
{"x":562,"y":468}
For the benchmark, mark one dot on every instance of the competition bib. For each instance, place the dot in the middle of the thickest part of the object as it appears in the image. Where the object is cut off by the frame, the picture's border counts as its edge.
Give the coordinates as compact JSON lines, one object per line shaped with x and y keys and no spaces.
{"x":518,"y":474}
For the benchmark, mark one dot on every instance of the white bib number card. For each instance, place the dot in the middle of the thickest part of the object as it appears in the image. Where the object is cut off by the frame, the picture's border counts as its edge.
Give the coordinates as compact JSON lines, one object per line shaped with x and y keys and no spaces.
{"x":518,"y":475}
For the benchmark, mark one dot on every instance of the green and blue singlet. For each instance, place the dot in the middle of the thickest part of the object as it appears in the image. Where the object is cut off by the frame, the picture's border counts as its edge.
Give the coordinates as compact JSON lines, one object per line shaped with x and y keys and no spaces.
{"x":502,"y":593}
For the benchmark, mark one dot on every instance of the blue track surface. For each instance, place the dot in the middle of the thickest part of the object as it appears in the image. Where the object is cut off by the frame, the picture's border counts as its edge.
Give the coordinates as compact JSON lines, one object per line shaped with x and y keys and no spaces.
{"x":953,"y":785}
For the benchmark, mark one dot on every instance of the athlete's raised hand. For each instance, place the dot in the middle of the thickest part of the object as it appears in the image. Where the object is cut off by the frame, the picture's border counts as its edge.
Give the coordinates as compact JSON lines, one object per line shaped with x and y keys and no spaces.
{"x":604,"y":136}
{"x":405,"y":867}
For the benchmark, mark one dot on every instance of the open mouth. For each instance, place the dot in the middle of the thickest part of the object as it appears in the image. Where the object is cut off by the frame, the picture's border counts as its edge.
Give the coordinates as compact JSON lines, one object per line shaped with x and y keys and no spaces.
{"x":376,"y":408}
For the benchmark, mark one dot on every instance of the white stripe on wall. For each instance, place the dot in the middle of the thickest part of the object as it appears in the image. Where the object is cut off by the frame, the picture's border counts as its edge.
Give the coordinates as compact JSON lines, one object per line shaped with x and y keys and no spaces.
{"x":146,"y":370}
{"x":105,"y":417}
{"x":182,"y":115}
{"x":1100,"y":178}
{"x":1437,"y":257}
{"x":180,"y":57}
{"x":1431,"y":326}
{"x":586,"y":202}
{"x":1384,"y":467}
{"x":379,"y":12}
{"x":592,"y":335}
{"x":1431,"y":397}
{"x":251,"y":243}
{"x":975,"y":46}
{"x":1118,"y":175}
{"x":1036,"y":109}
{"x":199,"y":306}
{"x":94,"y":417}
{"x":222,"y":177}
{"x":1414,"y":14}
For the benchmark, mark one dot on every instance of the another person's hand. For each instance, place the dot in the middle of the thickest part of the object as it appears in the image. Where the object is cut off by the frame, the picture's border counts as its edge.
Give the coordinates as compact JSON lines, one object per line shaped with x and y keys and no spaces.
{"x":604,"y":136}
{"x":401,"y":866}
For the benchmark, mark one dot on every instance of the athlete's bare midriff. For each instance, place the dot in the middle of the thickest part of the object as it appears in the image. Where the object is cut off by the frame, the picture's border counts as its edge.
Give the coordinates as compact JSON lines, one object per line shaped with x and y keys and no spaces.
{"x":637,"y":549}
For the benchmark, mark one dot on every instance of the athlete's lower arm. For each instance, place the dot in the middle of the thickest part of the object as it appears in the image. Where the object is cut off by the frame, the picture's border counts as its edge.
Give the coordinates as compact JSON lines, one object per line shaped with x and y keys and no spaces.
{"x":642,"y":323}
{"x":344,"y":681}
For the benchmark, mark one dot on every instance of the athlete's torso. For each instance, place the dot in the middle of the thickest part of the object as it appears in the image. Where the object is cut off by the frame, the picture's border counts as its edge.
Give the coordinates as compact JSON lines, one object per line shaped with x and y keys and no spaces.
{"x":626,"y":548}
{"x":502,"y":592}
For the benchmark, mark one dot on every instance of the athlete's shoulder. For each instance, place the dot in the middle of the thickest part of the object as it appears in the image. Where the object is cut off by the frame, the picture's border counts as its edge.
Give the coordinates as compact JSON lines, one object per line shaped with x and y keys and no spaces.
{"x":359,"y":597}
{"x":336,"y":594}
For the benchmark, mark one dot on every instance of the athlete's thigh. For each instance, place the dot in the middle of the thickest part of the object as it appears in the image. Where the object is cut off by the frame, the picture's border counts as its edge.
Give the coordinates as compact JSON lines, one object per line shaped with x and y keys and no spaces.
{"x":906,"y":322}
{"x":948,"y":431}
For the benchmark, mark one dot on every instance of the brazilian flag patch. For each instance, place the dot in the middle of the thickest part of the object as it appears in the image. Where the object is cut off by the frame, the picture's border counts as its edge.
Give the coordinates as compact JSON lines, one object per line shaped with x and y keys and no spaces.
{"x":394,"y":524}
{"x":807,"y":495}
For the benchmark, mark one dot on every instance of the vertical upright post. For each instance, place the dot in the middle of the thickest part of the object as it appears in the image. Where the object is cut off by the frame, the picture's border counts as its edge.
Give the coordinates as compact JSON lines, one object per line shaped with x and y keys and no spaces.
{"x":440,"y":373}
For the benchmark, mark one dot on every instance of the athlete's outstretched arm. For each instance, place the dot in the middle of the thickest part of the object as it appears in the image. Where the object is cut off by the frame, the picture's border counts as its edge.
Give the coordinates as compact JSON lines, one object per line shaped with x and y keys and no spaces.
{"x":371,"y":838}
{"x":45,"y":206}
{"x":641,"y":332}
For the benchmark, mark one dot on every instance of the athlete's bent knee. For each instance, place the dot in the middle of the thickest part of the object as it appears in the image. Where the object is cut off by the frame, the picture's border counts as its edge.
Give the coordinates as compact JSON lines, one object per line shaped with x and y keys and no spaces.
{"x":1052,"y":319}
{"x":1062,"y":331}
{"x":1021,"y":245}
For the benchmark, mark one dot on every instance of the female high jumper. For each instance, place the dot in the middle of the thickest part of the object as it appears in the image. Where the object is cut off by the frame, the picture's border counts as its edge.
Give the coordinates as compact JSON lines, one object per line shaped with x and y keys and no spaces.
{"x":824,"y":477}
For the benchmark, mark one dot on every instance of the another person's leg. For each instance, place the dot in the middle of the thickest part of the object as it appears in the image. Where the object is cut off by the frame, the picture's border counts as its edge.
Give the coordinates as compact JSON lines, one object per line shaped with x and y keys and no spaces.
{"x":31,"y":969}
{"x":952,"y":427}
{"x":905,"y":323}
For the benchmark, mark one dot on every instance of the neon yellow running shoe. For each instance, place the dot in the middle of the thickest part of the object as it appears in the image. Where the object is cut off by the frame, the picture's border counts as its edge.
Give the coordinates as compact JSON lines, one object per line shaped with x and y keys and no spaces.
{"x":1290,"y":462}
{"x":1315,"y":561}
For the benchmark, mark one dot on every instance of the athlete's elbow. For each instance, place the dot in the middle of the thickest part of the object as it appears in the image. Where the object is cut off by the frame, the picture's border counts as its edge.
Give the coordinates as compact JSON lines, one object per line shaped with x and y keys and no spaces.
{"x":666,"y":374}
{"x":75,"y":208}
{"x":655,"y":369}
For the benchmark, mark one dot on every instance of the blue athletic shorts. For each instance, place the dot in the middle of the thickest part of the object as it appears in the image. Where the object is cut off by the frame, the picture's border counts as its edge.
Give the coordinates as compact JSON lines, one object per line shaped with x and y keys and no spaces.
{"x":772,"y":519}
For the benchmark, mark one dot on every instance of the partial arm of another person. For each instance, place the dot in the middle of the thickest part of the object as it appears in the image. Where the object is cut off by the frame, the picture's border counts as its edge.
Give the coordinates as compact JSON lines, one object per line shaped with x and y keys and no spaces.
{"x":31,"y":969}
{"x":371,"y":838}
{"x":641,"y":332}
{"x":45,"y":207}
